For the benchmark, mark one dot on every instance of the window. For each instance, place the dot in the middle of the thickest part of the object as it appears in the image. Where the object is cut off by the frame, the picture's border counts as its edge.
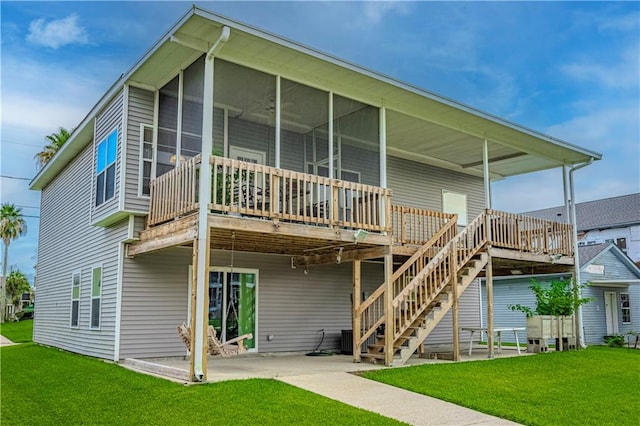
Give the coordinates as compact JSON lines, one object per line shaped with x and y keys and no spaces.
{"x":146,"y":158}
{"x":622,"y":244}
{"x":625,"y":307}
{"x":96,"y":293}
{"x":75,"y":299}
{"x":453,"y":202}
{"x":106,"y":168}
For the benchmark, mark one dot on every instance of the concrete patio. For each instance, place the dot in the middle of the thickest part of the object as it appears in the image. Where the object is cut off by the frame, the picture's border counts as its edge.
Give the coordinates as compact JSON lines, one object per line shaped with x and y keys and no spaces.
{"x":270,"y":366}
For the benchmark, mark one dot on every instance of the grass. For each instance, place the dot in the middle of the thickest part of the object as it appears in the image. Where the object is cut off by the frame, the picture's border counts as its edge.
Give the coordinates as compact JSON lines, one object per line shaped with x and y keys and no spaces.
{"x":18,"y":332}
{"x":45,"y":386}
{"x":599,"y":385}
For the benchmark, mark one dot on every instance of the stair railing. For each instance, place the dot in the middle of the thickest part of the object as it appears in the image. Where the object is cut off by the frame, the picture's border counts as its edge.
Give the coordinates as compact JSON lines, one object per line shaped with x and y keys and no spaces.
{"x":427,"y":285}
{"x":371,"y":311}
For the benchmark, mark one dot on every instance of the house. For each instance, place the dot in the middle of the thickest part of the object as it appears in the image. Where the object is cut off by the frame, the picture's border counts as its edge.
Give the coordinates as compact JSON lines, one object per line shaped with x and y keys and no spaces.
{"x":237,"y":179}
{"x":615,"y":219}
{"x":609,"y":277}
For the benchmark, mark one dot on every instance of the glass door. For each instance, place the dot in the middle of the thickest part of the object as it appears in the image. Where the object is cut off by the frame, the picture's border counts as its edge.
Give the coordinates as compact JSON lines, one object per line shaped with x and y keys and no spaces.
{"x":232,"y":303}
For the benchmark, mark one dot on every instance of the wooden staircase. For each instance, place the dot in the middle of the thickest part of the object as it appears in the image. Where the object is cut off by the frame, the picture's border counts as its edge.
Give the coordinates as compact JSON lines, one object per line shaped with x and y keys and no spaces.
{"x":403,"y":312}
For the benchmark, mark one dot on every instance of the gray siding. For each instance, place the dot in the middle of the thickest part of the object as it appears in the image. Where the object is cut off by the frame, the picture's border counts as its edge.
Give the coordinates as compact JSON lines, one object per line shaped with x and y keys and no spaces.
{"x":69,"y":243}
{"x":594,"y":314}
{"x":292,"y":306}
{"x":419,"y":185}
{"x":108,"y":120}
{"x":468,"y":315}
{"x":154,"y":302}
{"x":139,"y":111}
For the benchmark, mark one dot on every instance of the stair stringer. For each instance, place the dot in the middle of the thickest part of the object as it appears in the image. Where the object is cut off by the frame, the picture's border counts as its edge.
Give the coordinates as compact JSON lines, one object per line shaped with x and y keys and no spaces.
{"x":432,"y":317}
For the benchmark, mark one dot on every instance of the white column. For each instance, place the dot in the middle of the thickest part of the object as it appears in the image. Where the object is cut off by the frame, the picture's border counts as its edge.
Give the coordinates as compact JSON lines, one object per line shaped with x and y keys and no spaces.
{"x":383,"y":146}
{"x":487,"y":179}
{"x":330,"y":135}
{"x":277,"y":124}
{"x":199,"y":358}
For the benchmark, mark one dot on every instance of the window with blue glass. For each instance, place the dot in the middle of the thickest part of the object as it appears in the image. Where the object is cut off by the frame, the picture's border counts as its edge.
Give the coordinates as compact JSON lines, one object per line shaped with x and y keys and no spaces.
{"x":106,"y":168}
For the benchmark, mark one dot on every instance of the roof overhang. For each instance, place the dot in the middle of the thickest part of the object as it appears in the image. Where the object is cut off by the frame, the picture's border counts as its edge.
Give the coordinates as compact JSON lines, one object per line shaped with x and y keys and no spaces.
{"x":614,"y":283}
{"x":421,"y":126}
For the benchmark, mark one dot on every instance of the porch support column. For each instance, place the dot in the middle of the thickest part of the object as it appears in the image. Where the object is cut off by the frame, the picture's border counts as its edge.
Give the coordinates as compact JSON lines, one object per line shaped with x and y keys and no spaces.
{"x":489,"y":279}
{"x":383,"y":146}
{"x":487,"y":180}
{"x":453,"y":261}
{"x":330,"y":137}
{"x":389,"y":323}
{"x":278,"y":109}
{"x":356,"y":305}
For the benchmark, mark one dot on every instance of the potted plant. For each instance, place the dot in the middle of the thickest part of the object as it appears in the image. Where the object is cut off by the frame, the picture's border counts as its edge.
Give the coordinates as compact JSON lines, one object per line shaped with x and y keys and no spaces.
{"x":553,"y":315}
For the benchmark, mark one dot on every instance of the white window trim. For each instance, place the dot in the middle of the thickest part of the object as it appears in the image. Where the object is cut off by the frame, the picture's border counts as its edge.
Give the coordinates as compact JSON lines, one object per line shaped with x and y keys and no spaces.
{"x":95,"y":169}
{"x":92,"y":297}
{"x":73,"y":275}
{"x":141,"y":158}
{"x":628,"y":308}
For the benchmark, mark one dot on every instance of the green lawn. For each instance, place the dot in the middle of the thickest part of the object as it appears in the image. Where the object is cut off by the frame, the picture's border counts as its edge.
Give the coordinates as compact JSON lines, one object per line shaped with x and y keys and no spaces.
{"x":597,"y":386}
{"x":47,"y":386}
{"x":18,"y":332}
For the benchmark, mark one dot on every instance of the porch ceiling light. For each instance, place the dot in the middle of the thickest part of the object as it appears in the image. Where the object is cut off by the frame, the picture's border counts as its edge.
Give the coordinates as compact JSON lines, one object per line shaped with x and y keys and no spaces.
{"x":516,"y":272}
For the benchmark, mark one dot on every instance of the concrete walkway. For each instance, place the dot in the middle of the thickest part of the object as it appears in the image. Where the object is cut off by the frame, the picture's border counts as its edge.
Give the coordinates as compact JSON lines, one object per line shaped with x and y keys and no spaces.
{"x":389,"y":401}
{"x":5,"y":342}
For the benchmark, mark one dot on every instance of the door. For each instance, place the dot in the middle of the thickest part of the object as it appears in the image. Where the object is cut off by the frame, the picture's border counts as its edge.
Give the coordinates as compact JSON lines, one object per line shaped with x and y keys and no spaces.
{"x":233,"y":302}
{"x":611,"y":312}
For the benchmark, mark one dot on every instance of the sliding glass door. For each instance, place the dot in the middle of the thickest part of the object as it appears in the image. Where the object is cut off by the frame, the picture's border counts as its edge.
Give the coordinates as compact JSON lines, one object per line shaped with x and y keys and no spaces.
{"x":232,"y":303}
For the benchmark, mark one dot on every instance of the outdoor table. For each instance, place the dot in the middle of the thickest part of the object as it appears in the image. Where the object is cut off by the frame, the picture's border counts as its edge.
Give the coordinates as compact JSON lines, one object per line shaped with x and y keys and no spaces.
{"x":498,"y":331}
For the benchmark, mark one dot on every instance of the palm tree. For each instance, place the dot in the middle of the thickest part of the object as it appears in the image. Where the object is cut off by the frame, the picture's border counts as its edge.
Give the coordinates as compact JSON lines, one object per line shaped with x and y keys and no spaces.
{"x":54,"y":143}
{"x":12,"y":226}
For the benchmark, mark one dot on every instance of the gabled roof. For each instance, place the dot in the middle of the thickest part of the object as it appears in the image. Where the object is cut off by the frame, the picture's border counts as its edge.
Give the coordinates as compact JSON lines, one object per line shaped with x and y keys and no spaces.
{"x":589,"y":253}
{"x":612,"y":212}
{"x":421,"y":126}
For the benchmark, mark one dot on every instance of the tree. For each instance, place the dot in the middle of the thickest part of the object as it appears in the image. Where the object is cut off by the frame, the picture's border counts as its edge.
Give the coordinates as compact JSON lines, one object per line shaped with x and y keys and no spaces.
{"x":12,"y":226}
{"x":17,"y":283}
{"x":54,"y":143}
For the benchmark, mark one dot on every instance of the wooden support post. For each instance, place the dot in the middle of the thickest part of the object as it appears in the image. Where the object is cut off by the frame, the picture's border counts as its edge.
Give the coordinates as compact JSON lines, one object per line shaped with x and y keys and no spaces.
{"x":389,"y":320}
{"x":489,"y":279}
{"x":454,"y":290}
{"x":356,"y":304}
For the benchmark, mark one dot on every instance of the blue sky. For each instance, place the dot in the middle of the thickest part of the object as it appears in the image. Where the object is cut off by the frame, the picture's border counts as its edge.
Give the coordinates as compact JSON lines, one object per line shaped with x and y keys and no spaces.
{"x":568,"y":69}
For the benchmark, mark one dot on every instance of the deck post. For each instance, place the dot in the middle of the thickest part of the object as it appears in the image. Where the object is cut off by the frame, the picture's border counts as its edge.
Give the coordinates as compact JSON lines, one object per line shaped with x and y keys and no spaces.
{"x":356,"y":305}
{"x":489,"y":279}
{"x":453,"y":279}
{"x":389,"y":327}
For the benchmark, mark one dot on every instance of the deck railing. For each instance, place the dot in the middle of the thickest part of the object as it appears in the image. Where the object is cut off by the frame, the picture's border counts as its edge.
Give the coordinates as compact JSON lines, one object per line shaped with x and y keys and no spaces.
{"x":174,"y":194}
{"x":417,"y":226}
{"x":529,"y":234}
{"x":255,"y":190}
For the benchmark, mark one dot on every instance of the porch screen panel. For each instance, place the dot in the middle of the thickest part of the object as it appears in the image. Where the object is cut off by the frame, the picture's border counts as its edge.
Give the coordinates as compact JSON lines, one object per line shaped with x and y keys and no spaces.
{"x":356,"y":137}
{"x":304,"y":118}
{"x":167,"y":127}
{"x":244,"y":102}
{"x":192,"y":96}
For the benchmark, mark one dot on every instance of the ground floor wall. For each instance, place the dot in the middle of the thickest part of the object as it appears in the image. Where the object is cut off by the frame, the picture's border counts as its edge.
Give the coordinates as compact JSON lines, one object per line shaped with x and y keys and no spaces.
{"x":293,"y":309}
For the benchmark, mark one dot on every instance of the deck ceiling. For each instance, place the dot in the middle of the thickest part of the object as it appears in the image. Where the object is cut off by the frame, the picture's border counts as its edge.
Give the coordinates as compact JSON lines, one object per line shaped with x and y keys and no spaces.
{"x":420,"y":126}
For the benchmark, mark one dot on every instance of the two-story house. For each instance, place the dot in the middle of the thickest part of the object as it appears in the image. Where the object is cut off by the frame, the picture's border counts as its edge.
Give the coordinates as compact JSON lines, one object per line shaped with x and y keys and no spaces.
{"x":236,"y":179}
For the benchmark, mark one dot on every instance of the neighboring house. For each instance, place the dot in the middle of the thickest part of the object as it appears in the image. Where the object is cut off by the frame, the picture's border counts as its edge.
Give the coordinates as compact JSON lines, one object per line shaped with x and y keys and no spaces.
{"x":615,"y":219}
{"x":609,"y":276}
{"x":327,"y":181}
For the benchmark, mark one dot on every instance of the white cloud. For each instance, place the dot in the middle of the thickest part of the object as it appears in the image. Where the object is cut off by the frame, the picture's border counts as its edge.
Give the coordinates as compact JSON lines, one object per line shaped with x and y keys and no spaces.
{"x":624,"y":74}
{"x":375,"y":11}
{"x":628,"y":22}
{"x":57,"y":33}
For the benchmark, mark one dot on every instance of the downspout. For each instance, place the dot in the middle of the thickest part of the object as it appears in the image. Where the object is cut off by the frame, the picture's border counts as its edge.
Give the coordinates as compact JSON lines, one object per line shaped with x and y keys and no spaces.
{"x":198,"y":357}
{"x":576,"y":255}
